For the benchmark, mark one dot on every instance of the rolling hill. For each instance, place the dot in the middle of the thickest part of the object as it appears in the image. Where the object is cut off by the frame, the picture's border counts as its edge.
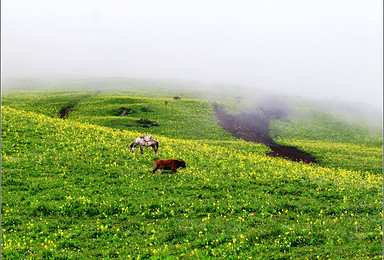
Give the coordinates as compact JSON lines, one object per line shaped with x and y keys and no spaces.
{"x":71,"y":189}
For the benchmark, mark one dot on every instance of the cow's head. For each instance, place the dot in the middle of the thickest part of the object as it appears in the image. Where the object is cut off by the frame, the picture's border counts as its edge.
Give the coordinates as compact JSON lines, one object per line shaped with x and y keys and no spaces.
{"x":182,"y":164}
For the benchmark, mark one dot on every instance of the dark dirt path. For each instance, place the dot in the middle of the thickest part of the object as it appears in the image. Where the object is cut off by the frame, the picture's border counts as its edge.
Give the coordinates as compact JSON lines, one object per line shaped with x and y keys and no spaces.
{"x":65,"y":110}
{"x":254,"y":127}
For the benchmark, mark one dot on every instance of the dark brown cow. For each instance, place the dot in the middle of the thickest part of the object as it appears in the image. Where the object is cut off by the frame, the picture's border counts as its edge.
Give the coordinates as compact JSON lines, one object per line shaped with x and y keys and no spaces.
{"x":166,"y":102}
{"x":169,"y":164}
{"x":176,"y":98}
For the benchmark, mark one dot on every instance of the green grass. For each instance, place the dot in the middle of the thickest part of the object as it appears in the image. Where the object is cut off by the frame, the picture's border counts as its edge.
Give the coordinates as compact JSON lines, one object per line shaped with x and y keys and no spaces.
{"x":187,"y":119}
{"x":360,"y":158}
{"x":315,"y":124}
{"x":71,"y":189}
{"x":335,"y":142}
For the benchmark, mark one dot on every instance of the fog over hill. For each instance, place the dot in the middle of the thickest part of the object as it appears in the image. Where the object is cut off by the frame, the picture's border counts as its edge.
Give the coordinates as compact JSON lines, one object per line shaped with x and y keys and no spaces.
{"x":250,"y":99}
{"x":322,"y":50}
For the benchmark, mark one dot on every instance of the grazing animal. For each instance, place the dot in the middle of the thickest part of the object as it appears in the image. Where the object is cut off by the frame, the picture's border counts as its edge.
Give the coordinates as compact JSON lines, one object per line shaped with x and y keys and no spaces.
{"x":176,"y":98}
{"x":146,"y":140}
{"x":166,"y":102}
{"x":168,"y":164}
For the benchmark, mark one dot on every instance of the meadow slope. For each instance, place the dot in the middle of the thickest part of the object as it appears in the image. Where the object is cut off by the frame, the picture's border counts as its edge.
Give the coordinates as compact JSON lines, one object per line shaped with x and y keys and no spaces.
{"x":71,"y":189}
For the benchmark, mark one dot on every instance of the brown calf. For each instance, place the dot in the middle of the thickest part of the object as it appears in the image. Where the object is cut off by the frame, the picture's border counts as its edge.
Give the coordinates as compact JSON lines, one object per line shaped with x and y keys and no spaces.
{"x":170,"y":164}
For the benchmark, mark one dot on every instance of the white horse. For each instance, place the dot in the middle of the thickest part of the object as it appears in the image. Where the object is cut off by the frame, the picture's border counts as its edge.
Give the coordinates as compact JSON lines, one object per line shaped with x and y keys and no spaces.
{"x":146,"y":140}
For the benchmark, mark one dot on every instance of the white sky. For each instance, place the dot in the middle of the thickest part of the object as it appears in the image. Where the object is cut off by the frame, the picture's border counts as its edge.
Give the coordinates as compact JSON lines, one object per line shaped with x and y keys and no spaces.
{"x":328,"y":48}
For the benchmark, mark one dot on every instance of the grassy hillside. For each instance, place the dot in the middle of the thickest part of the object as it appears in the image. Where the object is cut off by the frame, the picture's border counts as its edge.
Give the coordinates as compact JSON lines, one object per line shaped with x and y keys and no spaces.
{"x":186,"y":118}
{"x":71,"y":189}
{"x":335,"y":141}
{"x":315,"y":124}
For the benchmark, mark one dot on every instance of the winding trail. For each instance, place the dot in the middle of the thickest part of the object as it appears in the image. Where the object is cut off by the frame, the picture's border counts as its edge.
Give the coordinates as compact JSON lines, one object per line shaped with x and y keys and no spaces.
{"x":254,"y":127}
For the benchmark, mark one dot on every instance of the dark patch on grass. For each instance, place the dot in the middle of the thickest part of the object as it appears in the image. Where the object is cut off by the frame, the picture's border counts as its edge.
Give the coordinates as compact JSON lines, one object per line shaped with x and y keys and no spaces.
{"x":146,"y":123}
{"x":254,"y":127}
{"x":65,"y":110}
{"x":123,"y":111}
